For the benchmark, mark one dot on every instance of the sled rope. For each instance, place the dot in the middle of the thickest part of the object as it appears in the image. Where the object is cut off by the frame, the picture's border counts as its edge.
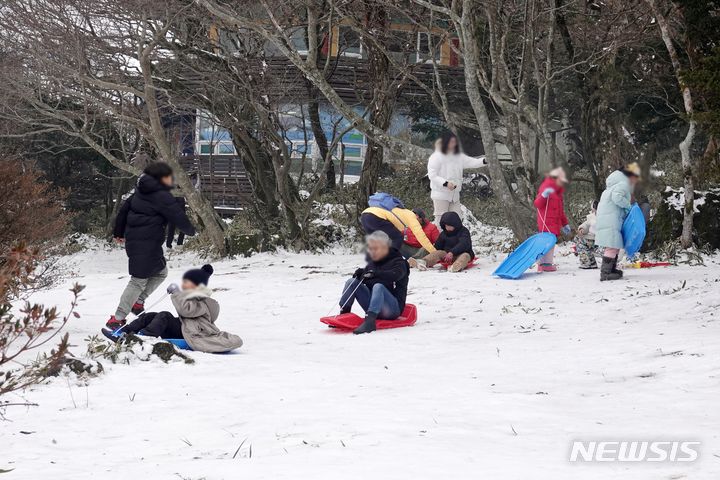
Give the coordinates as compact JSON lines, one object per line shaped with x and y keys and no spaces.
{"x":153,"y":305}
{"x":542,"y":217}
{"x":346,"y":301}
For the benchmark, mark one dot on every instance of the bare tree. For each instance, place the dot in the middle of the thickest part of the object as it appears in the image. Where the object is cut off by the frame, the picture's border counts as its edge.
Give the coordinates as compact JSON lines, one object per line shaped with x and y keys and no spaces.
{"x":273,"y":21}
{"x":688,"y":162}
{"x":98,"y":63}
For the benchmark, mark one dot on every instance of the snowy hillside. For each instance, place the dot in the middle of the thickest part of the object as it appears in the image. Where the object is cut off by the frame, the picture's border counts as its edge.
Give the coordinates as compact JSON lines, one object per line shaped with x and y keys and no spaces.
{"x":494,"y":381}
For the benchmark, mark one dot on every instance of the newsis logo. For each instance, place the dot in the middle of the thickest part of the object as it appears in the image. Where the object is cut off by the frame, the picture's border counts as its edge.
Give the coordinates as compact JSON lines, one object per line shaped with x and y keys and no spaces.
{"x":634,"y":451}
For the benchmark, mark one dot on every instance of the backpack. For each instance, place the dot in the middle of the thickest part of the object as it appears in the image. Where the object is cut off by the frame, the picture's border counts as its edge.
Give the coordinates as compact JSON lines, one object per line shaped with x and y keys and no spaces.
{"x":388,"y":202}
{"x":385,"y":201}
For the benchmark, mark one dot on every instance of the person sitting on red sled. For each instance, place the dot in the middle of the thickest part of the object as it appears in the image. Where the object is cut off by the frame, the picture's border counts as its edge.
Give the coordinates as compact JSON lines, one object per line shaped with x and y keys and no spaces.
{"x":381,"y":287}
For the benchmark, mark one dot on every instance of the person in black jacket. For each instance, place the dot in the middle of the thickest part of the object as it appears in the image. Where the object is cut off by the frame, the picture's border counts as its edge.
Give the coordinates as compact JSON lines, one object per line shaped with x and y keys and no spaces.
{"x":381,"y":287}
{"x":453,"y":246}
{"x":141,"y":225}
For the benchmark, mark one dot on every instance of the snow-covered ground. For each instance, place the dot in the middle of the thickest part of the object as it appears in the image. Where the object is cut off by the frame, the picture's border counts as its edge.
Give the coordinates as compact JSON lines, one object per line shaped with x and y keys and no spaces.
{"x":495,"y":380}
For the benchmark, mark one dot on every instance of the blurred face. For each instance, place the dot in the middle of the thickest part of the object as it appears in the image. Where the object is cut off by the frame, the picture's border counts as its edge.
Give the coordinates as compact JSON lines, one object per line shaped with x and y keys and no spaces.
{"x":188,"y":285}
{"x":452,"y":145}
{"x":559,"y":182}
{"x":449,"y":228}
{"x":634,"y":180}
{"x":167,"y":181}
{"x":377,"y":250}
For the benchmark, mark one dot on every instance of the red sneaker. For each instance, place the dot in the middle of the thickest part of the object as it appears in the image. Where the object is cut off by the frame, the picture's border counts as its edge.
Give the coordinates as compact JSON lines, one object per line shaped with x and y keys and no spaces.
{"x":138,"y":308}
{"x":114,"y":323}
{"x":546,"y":267}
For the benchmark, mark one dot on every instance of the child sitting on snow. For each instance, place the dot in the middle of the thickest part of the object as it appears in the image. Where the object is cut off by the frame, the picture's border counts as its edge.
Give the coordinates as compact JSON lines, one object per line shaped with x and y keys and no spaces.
{"x":585,"y":240}
{"x":197,"y":313}
{"x":453,"y":246}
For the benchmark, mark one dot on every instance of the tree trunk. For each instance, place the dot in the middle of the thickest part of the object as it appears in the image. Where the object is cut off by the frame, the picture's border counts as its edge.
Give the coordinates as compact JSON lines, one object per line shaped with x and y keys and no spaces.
{"x":319,"y":134}
{"x":260,"y":171}
{"x":209,"y":220}
{"x":686,"y":239}
{"x":519,"y":218}
{"x":384,"y":95}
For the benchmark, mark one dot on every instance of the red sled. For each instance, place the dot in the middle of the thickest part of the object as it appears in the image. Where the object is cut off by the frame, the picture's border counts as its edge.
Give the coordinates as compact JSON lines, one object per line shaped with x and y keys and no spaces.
{"x":470,"y":265}
{"x":350,"y":321}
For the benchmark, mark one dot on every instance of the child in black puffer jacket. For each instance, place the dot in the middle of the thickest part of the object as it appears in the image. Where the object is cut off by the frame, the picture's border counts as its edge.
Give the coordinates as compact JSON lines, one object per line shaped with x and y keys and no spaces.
{"x":453,"y":246}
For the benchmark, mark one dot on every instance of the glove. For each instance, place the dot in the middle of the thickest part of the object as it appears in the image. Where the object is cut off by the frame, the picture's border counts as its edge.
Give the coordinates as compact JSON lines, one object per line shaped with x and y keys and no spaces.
{"x":566,"y":230}
{"x":547,"y":192}
{"x":448,"y":258}
{"x":358,"y":273}
{"x":173,"y":288}
{"x":368,"y":275}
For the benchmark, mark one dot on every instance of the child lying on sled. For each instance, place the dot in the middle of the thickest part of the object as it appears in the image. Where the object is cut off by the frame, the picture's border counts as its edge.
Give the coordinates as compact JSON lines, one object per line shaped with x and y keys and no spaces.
{"x":197,"y":313}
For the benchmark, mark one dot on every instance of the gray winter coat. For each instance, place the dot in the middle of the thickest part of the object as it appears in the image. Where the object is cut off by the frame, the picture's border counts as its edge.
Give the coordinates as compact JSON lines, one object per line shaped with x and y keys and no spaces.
{"x":612,"y":209}
{"x":198,"y":312}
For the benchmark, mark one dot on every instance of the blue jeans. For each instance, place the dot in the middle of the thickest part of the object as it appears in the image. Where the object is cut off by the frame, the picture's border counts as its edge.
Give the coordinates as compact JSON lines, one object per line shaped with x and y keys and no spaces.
{"x":377,"y":300}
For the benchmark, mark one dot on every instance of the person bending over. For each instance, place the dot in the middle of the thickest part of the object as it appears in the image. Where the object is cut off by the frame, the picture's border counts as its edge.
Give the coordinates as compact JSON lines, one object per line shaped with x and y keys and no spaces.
{"x":381,"y":287}
{"x":397,"y":224}
{"x":454,"y":245}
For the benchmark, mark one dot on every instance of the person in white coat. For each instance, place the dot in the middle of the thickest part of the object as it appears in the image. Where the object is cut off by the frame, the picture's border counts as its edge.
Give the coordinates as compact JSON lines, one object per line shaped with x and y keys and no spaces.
{"x":445,"y":171}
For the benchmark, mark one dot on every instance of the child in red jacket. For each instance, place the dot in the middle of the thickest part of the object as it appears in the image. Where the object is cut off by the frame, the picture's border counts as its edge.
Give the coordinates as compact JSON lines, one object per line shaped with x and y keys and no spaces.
{"x":551,"y":212}
{"x":412,"y":248}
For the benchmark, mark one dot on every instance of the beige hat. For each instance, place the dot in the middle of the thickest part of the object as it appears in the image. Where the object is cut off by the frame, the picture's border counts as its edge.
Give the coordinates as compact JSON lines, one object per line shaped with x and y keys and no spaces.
{"x":558,"y":173}
{"x":633,"y":168}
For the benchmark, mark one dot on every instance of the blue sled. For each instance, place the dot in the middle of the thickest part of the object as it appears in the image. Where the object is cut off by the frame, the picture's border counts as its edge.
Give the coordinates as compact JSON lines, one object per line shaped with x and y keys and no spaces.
{"x":182,"y":344}
{"x":633,"y":231}
{"x":179,"y":343}
{"x":525,"y":255}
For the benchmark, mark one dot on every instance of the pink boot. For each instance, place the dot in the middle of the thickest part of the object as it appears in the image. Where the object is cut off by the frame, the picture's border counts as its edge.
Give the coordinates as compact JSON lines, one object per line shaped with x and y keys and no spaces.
{"x":546,"y":267}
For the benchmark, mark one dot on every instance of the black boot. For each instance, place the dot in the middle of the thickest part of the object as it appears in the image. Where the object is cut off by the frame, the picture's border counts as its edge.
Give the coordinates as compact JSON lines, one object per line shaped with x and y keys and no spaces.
{"x":615,"y":269}
{"x":368,"y":325}
{"x":606,"y":270}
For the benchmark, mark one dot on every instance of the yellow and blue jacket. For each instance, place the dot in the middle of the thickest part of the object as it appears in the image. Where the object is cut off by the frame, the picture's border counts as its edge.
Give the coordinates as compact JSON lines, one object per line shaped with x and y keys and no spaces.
{"x":402,"y":218}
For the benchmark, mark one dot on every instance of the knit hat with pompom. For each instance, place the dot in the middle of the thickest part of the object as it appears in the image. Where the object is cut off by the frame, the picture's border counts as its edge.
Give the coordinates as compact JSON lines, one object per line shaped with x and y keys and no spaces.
{"x":199,"y":276}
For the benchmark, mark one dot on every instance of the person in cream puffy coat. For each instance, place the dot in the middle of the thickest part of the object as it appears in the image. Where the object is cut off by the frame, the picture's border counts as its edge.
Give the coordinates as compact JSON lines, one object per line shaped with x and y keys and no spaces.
{"x":445,"y":171}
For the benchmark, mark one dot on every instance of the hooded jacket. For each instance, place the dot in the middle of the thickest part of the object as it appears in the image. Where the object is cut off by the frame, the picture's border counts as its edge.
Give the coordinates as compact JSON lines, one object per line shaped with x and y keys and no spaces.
{"x":589,"y":226}
{"x":142,"y":221}
{"x":393,"y":272}
{"x":612,"y":209}
{"x":448,"y":167}
{"x":551,"y":209}
{"x":198,"y":313}
{"x":456,"y":242}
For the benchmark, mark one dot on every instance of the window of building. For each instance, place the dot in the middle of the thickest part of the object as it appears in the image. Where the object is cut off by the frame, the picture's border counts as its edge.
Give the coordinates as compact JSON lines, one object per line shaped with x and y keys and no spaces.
{"x":210,"y":138}
{"x":428,"y":47}
{"x":350,"y":43}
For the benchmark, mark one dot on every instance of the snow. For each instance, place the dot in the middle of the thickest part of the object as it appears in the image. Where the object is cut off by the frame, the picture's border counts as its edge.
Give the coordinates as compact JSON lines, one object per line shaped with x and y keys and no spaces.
{"x":676,"y":199}
{"x":495,"y":380}
{"x":657,"y":173}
